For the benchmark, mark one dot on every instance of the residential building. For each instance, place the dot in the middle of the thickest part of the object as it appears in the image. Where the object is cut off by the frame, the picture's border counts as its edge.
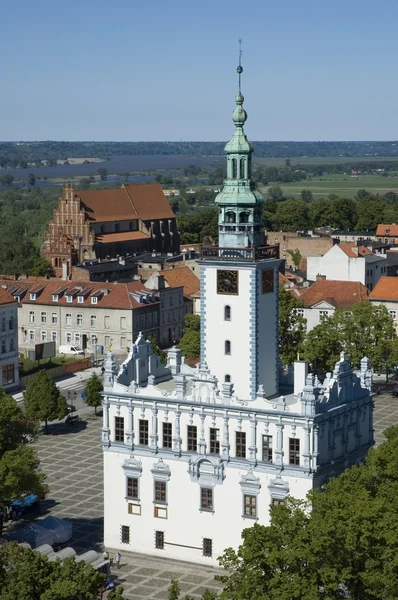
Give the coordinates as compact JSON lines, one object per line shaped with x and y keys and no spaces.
{"x":9,"y":363}
{"x":387,"y":233}
{"x":354,"y":236}
{"x":348,"y":262}
{"x":180,"y":276}
{"x":171,"y":310}
{"x":305,"y":244}
{"x":93,"y":317}
{"x":324,"y":296}
{"x":386,"y":294}
{"x":193,"y":456}
{"x":106,"y":224}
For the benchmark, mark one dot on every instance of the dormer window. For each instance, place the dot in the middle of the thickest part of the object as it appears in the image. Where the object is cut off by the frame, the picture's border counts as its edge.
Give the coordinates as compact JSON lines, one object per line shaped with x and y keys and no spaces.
{"x":32,"y":296}
{"x":69,"y":298}
{"x":94,"y":300}
{"x":55,"y":297}
{"x":80,"y":299}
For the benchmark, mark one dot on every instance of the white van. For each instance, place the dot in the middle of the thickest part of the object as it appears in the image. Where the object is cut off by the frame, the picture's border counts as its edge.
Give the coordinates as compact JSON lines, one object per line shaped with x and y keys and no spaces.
{"x":70,"y":350}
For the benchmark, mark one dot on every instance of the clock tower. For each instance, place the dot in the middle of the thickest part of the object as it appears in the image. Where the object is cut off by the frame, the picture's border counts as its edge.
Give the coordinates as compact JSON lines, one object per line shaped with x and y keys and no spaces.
{"x":239,"y":281}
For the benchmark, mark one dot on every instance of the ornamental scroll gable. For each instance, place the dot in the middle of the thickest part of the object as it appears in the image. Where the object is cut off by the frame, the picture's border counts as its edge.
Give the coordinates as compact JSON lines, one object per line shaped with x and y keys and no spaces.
{"x":204,"y":386}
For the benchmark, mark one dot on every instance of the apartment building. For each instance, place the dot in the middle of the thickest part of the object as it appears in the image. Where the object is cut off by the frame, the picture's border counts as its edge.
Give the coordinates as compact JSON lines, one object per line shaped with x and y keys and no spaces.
{"x":8,"y":340}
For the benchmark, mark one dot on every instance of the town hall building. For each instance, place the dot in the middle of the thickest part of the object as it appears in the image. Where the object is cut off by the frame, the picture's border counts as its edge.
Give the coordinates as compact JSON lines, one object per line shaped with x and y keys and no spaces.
{"x":193,"y":456}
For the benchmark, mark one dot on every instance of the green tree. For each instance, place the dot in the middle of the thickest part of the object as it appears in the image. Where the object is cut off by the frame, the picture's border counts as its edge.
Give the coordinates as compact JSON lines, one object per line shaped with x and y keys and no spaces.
{"x":156,"y":350}
{"x":6,"y":179}
{"x":85,"y":183}
{"x":275,"y":192}
{"x":32,"y":179}
{"x":189,"y":344}
{"x":103,"y":173}
{"x":292,"y":215}
{"x":93,"y":391}
{"x":322,"y":346}
{"x":41,"y":267}
{"x":43,"y":400}
{"x":296,"y":257}
{"x":292,"y":327}
{"x":343,"y":214}
{"x":307,"y":195}
{"x":370,"y":209}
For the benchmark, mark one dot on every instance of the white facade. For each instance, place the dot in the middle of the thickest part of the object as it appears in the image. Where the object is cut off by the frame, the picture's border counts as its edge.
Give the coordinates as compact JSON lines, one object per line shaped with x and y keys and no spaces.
{"x":336,"y":265}
{"x":9,"y":363}
{"x":316,"y":313}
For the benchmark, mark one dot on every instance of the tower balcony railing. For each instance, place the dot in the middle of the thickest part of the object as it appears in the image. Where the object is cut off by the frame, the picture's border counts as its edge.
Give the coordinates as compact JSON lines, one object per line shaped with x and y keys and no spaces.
{"x":240,"y":254}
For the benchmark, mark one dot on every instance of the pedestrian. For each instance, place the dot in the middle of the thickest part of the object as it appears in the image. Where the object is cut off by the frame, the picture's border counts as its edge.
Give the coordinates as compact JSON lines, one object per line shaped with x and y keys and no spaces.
{"x":106,"y":555}
{"x":117,"y":559}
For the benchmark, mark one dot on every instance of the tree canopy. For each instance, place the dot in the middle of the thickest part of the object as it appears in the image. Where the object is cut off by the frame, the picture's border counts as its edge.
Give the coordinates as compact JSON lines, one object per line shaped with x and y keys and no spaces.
{"x":292,"y":327}
{"x":189,"y":344}
{"x":93,"y":391}
{"x":43,"y":399}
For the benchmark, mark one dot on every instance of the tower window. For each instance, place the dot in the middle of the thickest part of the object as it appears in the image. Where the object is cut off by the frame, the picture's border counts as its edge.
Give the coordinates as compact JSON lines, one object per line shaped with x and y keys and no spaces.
{"x":244,"y":217}
{"x":227,"y":313}
{"x":242,"y":168}
{"x":227,"y":379}
{"x":234,"y":168}
{"x":230,"y":217}
{"x":228,"y":347}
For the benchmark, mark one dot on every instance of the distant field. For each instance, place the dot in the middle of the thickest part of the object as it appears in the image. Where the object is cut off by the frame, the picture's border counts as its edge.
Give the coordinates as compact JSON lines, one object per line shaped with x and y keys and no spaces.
{"x":342,"y":185}
{"x":321,"y":160}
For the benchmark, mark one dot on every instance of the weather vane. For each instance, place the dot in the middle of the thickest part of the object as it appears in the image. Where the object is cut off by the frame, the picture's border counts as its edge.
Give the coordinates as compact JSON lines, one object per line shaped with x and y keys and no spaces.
{"x":240,"y":68}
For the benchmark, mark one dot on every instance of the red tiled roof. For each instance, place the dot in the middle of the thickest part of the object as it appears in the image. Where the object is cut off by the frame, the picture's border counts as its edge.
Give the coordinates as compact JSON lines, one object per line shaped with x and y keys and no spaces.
{"x":385,"y":289}
{"x":386,"y":230}
{"x":118,"y":295}
{"x":182,"y":276}
{"x":122,"y":236}
{"x":341,"y":294}
{"x":353,"y":251}
{"x":133,"y":201}
{"x":5,"y":296}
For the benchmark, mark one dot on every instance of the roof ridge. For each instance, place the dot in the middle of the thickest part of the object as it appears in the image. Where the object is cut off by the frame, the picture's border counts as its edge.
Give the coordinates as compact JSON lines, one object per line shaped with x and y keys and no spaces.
{"x":130,"y":198}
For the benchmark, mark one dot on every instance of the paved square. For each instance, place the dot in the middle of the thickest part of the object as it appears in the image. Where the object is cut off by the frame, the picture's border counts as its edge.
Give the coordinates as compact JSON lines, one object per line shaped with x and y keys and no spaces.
{"x":72,"y":459}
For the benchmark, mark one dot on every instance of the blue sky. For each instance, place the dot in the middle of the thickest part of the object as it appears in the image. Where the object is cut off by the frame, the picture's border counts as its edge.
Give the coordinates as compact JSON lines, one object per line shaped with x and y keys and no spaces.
{"x":165,"y":70}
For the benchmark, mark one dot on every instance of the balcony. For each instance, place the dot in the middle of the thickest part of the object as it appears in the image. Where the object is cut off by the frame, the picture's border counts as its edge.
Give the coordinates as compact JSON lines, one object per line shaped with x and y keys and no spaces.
{"x":239,"y":254}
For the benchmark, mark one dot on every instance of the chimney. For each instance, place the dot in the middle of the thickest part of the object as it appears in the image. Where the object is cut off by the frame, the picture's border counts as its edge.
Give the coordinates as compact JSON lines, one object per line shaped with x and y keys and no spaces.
{"x":320,"y":277}
{"x":161,"y":282}
{"x":65,"y":270}
{"x":300,"y":375}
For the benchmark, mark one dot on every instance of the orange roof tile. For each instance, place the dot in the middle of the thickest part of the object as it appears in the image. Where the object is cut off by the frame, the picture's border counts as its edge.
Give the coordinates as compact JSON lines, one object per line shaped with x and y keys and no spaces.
{"x":341,"y":294}
{"x":122,"y":236}
{"x":182,"y":276}
{"x":354,"y":251}
{"x":385,"y":289}
{"x":387,"y":230}
{"x":5,"y":296}
{"x":149,"y":201}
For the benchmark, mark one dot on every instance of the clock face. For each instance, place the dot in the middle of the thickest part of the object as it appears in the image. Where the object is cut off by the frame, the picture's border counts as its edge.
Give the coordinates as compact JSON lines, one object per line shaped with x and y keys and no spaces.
{"x":267,"y":281}
{"x":227,"y":282}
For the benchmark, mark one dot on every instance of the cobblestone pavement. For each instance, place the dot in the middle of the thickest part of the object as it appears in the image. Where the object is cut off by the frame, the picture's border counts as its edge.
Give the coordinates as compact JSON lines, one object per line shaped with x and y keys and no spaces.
{"x":72,"y":459}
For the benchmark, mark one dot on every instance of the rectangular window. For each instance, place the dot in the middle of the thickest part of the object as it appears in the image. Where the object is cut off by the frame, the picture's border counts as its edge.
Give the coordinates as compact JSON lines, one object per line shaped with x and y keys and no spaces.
{"x":54,"y":318}
{"x":133,"y":509}
{"x":53,"y":336}
{"x":149,"y":319}
{"x":125,"y":534}
{"x":54,"y":297}
{"x":250,"y":506}
{"x":8,"y":374}
{"x":69,"y":298}
{"x":122,"y":322}
{"x":167,"y":435}
{"x":275,"y":501}
{"x":192,"y":438}
{"x":43,"y":317}
{"x":79,"y":320}
{"x":143,"y":321}
{"x":94,"y":300}
{"x":31,"y":316}
{"x":77,"y":339}
{"x":119,"y":429}
{"x":155,"y":318}
{"x":93,"y":320}
{"x":143,"y":427}
{"x":11,"y":323}
{"x":160,"y":512}
{"x":132,"y":488}
{"x":393,"y":313}
{"x":214,"y":441}
{"x":106,"y":321}
{"x":68,"y":319}
{"x":160,"y":492}
{"x":80,"y":299}
{"x":207,"y":547}
{"x":68,"y":337}
{"x":3,"y":324}
{"x":159,"y":540}
{"x":267,"y":448}
{"x":123,"y":342}
{"x":300,"y":312}
{"x":32,"y":296}
{"x":31,"y":335}
{"x":240,"y":444}
{"x":43,"y":336}
{"x":294,"y":451}
{"x":206,"y":498}
{"x":323,"y":313}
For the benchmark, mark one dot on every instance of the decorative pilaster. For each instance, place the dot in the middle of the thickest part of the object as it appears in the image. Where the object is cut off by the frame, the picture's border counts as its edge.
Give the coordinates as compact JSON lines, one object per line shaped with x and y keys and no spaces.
{"x":315,"y":446}
{"x":154,"y":431}
{"x":279,"y":444}
{"x":253,"y":440}
{"x":105,"y":423}
{"x":129,"y":434}
{"x":202,"y":441}
{"x":177,"y":433}
{"x":225,"y":438}
{"x":306,"y":451}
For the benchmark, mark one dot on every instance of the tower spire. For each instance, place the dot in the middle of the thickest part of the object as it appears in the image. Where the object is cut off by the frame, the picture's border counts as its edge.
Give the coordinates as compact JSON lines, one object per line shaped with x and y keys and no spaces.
{"x":240,"y":68}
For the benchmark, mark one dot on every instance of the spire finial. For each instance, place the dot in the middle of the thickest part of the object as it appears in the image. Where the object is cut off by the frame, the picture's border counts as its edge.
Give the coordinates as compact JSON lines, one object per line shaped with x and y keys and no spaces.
{"x":240,"y":68}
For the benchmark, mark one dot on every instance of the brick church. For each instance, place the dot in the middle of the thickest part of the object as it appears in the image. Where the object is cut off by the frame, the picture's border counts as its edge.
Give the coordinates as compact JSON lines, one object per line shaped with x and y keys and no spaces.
{"x":105,"y":224}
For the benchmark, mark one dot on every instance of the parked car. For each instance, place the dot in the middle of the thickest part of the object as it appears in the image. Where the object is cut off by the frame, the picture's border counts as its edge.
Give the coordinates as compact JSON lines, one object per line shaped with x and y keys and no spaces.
{"x":65,"y":349}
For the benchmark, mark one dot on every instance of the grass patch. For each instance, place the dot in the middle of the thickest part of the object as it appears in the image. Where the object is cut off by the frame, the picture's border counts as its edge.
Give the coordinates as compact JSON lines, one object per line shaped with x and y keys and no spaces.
{"x":342,"y":185}
{"x":28,"y":366}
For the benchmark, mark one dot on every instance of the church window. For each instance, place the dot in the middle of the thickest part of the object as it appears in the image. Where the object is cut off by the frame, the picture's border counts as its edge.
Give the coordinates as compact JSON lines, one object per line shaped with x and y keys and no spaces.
{"x":294,"y":451}
{"x":228,"y":347}
{"x":250,"y":505}
{"x":227,"y":379}
{"x":267,"y":448}
{"x":143,"y":432}
{"x":161,"y":492}
{"x":242,"y":168}
{"x":159,"y":540}
{"x":227,"y":313}
{"x":167,"y":435}
{"x":132,"y":488}
{"x":207,"y":547}
{"x":206,"y":498}
{"x":241,"y":444}
{"x":214,"y":441}
{"x":125,"y":534}
{"x":192,"y":438}
{"x":234,"y":168}
{"x":119,"y":429}
{"x":31,"y":316}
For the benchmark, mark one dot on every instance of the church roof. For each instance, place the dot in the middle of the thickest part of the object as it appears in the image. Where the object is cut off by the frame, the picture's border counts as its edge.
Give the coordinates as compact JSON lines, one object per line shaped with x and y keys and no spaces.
{"x":341,"y":294}
{"x":137,"y":201}
{"x":122,"y":236}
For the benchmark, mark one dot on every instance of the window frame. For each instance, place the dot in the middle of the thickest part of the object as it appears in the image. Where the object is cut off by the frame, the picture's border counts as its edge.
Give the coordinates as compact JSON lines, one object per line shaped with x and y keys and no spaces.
{"x":267,"y":448}
{"x":192,"y":438}
{"x":206,"y":499}
{"x":294,"y":452}
{"x":125,"y":534}
{"x":133,"y":488}
{"x":214,"y":441}
{"x":227,"y":347}
{"x":240,"y":444}
{"x":159,"y":540}
{"x":160,"y":492}
{"x":143,"y":432}
{"x":249,"y":506}
{"x":119,"y":429}
{"x":207,"y":547}
{"x":167,"y":435}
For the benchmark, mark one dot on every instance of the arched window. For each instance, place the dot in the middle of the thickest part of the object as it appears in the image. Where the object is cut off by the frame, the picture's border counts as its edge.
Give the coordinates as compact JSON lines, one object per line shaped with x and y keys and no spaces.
{"x":227,"y":378}
{"x":227,"y":313}
{"x":242,"y":168}
{"x":227,"y":347}
{"x":244,"y":217}
{"x":230,"y":217}
{"x":55,"y":262}
{"x":234,"y":168}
